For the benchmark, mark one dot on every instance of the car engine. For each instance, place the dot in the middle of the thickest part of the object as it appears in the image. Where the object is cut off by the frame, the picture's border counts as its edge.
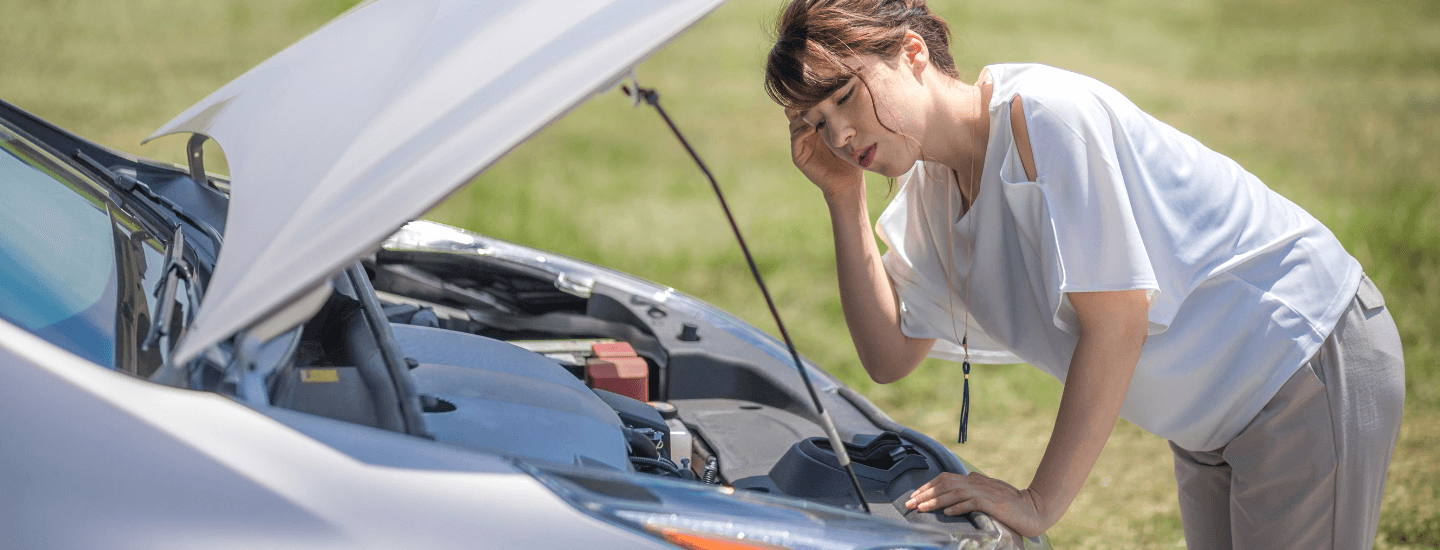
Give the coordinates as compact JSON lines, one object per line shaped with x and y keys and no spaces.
{"x":504,"y":358}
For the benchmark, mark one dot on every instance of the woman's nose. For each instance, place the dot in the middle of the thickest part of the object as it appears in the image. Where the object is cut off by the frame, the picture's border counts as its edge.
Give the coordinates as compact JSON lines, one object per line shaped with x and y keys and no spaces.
{"x":840,"y":134}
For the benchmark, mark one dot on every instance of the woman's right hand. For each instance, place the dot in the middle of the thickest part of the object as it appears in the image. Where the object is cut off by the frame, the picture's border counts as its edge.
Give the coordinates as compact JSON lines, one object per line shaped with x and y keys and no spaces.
{"x":832,"y":174}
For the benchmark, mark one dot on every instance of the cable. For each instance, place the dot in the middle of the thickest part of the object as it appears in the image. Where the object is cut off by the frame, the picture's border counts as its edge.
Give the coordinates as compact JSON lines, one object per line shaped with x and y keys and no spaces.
{"x":659,"y":464}
{"x":652,"y":98}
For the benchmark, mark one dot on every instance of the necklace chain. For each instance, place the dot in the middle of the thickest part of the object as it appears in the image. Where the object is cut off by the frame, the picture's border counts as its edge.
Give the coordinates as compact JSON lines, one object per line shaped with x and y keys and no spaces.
{"x":967,"y":205}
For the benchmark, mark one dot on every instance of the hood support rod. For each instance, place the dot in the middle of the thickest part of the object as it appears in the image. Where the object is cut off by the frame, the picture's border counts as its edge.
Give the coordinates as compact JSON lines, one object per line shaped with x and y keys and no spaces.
{"x":652,"y":98}
{"x":195,"y":154}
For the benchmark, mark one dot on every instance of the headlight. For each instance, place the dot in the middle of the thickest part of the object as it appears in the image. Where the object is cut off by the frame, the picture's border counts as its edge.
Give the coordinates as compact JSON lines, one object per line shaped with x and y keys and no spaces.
{"x":703,"y":517}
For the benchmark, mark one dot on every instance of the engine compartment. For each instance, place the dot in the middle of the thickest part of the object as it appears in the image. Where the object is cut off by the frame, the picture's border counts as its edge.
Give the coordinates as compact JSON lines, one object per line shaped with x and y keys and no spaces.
{"x":716,"y":410}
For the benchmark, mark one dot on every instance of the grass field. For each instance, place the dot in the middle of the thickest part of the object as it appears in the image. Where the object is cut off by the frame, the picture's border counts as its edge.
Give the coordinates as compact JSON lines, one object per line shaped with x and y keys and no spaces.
{"x":1335,"y":104}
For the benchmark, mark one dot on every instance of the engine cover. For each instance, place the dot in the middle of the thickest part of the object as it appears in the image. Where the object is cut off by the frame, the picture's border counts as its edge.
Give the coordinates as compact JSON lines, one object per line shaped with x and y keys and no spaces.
{"x":510,"y":400}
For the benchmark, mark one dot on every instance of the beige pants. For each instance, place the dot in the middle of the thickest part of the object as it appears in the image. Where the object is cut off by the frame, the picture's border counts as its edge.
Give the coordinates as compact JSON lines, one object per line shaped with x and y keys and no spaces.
{"x":1309,"y":470}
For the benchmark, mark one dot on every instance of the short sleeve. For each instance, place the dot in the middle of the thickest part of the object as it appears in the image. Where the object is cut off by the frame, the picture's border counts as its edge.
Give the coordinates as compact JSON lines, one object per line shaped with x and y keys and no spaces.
{"x":913,"y":227}
{"x":1078,"y":212}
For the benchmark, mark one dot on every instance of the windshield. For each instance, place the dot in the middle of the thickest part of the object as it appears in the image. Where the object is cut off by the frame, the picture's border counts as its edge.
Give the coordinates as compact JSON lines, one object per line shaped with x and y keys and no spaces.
{"x":57,"y":259}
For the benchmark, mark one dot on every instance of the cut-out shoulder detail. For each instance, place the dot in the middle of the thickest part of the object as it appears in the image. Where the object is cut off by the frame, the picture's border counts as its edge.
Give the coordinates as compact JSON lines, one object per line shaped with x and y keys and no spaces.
{"x":1022,"y":137}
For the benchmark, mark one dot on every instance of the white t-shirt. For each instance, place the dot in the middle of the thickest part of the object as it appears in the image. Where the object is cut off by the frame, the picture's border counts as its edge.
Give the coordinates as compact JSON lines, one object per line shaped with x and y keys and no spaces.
{"x":1244,"y":284}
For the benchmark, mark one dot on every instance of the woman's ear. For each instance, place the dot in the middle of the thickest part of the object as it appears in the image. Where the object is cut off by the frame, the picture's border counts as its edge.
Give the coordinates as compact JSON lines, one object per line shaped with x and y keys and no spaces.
{"x":914,"y":52}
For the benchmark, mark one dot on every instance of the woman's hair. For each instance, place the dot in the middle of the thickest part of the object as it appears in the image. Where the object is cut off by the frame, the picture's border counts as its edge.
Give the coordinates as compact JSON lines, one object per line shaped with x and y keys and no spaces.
{"x":812,"y":36}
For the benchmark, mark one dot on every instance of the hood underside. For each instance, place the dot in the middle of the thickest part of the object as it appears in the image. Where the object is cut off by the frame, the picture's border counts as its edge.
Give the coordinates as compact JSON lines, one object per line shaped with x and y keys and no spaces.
{"x":338,"y":140}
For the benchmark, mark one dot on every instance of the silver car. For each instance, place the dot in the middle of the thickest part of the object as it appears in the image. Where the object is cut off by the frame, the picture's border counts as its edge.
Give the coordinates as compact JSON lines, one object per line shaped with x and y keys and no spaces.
{"x":278,"y":359}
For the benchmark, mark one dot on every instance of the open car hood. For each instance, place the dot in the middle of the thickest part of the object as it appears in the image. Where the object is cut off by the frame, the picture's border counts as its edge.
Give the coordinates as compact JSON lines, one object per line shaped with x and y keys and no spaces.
{"x":367,"y":123}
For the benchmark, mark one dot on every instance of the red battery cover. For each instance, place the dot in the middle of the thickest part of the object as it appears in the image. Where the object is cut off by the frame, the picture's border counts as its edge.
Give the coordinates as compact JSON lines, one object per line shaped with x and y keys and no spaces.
{"x":606,"y":350}
{"x":627,"y":376}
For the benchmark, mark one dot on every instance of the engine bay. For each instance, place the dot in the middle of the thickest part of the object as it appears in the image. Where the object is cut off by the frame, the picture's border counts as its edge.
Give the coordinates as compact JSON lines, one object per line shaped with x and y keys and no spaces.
{"x":504,"y":358}
{"x":535,"y":358}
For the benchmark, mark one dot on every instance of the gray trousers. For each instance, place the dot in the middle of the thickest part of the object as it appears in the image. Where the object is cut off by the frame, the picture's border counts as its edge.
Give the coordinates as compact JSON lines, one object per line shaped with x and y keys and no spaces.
{"x":1309,"y":470}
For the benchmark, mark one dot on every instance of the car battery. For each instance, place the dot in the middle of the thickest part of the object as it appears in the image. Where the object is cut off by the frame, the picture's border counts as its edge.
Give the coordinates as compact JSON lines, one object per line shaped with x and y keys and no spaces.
{"x":571,"y":354}
{"x":616,"y":368}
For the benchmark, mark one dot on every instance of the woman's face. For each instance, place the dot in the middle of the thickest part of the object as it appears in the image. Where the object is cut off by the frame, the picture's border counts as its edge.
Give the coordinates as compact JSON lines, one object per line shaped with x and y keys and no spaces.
{"x":876,"y":134}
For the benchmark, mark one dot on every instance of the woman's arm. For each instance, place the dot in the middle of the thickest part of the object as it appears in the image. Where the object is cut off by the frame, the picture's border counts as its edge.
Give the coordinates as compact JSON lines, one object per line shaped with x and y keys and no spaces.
{"x":1112,"y":331}
{"x":867,"y":297}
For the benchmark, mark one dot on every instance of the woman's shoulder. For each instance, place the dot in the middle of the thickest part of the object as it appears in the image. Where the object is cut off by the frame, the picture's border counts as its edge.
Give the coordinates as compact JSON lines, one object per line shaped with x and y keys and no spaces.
{"x":1055,"y":98}
{"x":1041,"y":79}
{"x":1049,"y":88}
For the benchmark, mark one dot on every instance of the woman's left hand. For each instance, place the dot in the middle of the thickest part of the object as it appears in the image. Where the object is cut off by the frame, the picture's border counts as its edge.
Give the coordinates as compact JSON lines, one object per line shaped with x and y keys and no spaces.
{"x":1021,"y":510}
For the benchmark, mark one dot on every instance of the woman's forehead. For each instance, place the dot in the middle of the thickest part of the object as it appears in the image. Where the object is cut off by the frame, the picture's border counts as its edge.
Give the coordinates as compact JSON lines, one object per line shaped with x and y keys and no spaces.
{"x":823,"y":76}
{"x":819,"y":76}
{"x":836,"y":67}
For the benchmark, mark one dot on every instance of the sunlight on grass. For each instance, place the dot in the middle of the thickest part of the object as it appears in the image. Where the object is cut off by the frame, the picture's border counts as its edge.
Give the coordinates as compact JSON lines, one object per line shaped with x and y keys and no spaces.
{"x":1334,"y":104}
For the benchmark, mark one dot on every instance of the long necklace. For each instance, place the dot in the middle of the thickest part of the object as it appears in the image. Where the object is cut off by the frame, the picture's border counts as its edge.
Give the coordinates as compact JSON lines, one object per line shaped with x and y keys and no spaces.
{"x":967,"y":206}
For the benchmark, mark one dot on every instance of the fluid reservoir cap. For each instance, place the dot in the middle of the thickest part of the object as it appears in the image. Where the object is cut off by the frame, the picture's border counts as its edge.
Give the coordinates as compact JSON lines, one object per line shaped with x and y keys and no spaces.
{"x":666,"y":410}
{"x":689,"y":333}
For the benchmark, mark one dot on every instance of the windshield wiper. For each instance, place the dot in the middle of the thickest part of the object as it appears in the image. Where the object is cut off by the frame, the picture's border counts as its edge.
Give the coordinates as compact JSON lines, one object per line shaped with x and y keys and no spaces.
{"x":175,"y":268}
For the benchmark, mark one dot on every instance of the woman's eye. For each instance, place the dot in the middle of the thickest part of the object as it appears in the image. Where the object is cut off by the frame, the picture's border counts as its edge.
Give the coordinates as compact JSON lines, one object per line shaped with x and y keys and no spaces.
{"x":845,"y":97}
{"x":819,"y":124}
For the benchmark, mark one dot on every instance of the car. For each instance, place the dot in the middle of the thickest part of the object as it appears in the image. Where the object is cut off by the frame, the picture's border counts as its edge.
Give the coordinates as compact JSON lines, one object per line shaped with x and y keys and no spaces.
{"x":284,"y":358}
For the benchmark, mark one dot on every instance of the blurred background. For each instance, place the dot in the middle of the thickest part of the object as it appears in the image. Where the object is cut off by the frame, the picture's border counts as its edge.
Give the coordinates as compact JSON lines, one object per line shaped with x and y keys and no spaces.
{"x":1335,"y":104}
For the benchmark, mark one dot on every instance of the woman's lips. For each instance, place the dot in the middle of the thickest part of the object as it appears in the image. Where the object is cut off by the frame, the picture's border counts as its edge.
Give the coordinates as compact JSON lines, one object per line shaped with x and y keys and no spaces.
{"x":867,"y":156}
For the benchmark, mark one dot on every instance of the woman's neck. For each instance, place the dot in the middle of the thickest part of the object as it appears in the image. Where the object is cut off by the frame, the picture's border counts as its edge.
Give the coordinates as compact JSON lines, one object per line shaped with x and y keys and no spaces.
{"x":960,"y":127}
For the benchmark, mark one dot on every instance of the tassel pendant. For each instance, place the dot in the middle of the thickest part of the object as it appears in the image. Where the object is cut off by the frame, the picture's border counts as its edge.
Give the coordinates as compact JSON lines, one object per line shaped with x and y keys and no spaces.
{"x":965,"y":405}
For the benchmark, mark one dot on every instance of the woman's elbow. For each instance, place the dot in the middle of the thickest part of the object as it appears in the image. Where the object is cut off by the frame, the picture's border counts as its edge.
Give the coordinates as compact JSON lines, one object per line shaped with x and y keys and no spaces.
{"x":894,"y":359}
{"x":880,"y":376}
{"x":892,"y":367}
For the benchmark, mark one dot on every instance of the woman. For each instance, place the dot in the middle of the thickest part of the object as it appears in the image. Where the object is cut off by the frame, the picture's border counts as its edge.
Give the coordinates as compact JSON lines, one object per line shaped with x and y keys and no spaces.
{"x":1042,"y":217}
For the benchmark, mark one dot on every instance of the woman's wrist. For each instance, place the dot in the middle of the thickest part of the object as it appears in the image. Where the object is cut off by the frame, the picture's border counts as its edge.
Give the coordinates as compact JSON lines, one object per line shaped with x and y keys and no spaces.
{"x":847,"y":207}
{"x":844,"y":193}
{"x":1046,"y":514}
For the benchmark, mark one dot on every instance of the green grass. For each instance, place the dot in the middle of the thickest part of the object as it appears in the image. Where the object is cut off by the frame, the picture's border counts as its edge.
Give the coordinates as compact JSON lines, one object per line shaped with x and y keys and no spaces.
{"x":1335,"y":104}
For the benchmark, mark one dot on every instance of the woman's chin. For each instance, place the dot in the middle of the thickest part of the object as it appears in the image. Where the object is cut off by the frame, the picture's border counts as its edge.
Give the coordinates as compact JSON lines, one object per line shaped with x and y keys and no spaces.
{"x":887,"y":170}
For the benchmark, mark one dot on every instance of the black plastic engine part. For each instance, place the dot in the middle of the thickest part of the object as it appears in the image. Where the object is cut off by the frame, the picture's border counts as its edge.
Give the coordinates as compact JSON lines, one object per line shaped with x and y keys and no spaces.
{"x":810,"y":467}
{"x":748,"y":437}
{"x":635,"y":413}
{"x":689,"y":332}
{"x":640,"y":444}
{"x":882,"y":459}
{"x":888,"y":466}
